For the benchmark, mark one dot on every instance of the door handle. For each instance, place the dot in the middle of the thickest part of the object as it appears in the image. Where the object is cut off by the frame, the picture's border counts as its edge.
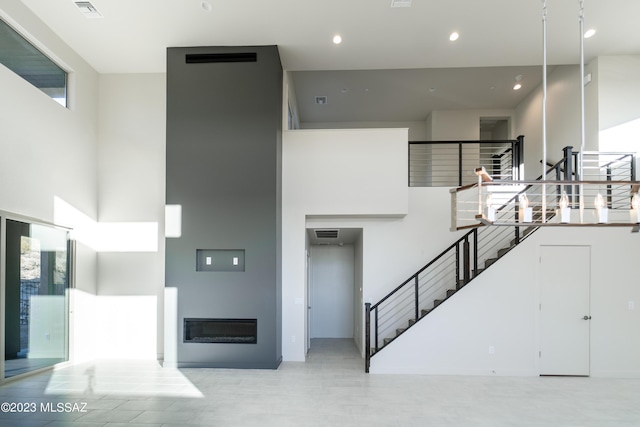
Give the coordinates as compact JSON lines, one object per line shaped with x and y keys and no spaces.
{"x":586,"y":318}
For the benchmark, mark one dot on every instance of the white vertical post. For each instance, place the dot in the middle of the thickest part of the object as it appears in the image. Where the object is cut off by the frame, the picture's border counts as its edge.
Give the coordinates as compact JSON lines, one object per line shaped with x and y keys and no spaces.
{"x":582,"y":125}
{"x":544,"y":110}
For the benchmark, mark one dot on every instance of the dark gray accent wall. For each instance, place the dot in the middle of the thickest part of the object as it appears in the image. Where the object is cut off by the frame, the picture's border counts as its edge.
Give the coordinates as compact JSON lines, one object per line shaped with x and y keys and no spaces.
{"x":224,"y":126}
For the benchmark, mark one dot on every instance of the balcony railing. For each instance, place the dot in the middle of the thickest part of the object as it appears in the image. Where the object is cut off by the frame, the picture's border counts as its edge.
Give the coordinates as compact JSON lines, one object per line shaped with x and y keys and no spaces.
{"x":451,"y":163}
{"x":603,"y":197}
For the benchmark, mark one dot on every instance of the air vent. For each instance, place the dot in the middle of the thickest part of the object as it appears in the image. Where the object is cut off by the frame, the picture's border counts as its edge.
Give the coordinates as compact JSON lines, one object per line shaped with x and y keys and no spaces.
{"x":211,"y":58}
{"x":88,"y":10}
{"x":326,"y":234}
{"x":400,"y":3}
{"x":321,"y":100}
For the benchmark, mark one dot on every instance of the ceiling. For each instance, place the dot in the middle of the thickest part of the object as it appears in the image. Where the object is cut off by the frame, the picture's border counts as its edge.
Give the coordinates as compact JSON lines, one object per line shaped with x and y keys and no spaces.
{"x":394,"y":64}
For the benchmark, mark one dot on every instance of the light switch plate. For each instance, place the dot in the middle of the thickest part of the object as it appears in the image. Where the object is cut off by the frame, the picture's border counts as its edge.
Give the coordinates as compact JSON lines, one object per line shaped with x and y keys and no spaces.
{"x":230,"y":260}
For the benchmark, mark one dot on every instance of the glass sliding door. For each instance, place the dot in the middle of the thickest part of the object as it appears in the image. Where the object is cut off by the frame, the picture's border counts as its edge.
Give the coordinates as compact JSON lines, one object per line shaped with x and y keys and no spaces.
{"x":36,"y":296}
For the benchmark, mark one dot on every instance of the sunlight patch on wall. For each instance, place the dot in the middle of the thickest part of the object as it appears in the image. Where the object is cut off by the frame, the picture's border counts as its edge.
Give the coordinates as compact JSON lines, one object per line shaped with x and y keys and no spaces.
{"x":173,"y":221}
{"x":84,"y":229}
{"x":106,"y":236}
{"x":127,"y":237}
{"x":621,"y":138}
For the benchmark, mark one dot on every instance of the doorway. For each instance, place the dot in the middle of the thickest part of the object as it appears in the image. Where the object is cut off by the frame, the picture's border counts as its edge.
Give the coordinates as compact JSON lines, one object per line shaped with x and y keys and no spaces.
{"x":332,"y":291}
{"x":494,"y":129}
{"x":35,"y":281}
{"x":565,"y":310}
{"x":334,"y":285}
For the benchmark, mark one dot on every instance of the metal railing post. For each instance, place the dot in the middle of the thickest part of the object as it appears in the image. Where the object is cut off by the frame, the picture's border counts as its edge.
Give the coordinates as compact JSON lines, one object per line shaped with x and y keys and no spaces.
{"x":558,"y":187}
{"x":367,"y":336}
{"x":459,"y":163}
{"x":417,"y":303}
{"x":457,"y":263}
{"x":375,"y":329}
{"x":568,"y":170}
{"x":609,"y":192}
{"x":467,"y":260}
{"x":475,"y":251}
{"x":520,"y":152}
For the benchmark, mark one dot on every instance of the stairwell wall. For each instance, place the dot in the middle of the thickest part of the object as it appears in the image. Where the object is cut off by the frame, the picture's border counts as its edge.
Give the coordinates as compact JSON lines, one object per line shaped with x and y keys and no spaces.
{"x":500,"y":309}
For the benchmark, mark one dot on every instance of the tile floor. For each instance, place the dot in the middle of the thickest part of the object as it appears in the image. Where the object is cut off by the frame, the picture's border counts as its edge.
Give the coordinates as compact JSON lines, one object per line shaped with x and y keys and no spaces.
{"x":331,"y":389}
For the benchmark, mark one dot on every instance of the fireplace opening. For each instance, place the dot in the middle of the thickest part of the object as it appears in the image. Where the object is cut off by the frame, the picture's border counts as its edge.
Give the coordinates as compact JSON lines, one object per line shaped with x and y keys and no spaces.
{"x":224,"y":331}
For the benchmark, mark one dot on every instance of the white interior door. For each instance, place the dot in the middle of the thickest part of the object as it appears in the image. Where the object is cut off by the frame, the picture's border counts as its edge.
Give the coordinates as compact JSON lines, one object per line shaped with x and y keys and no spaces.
{"x":564,"y":310}
{"x":332,"y":291}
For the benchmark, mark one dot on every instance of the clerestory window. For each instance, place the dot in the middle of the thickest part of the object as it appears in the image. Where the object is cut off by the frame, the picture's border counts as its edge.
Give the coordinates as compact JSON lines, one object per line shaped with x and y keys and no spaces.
{"x":27,"y":61}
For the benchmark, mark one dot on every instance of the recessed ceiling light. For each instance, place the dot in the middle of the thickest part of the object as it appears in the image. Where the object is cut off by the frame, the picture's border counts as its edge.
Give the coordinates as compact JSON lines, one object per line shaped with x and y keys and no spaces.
{"x":344,"y":90}
{"x":454,"y":36}
{"x":589,"y":33}
{"x":518,"y":79}
{"x":337,"y":39}
{"x":206,"y":6}
{"x":432,"y":89}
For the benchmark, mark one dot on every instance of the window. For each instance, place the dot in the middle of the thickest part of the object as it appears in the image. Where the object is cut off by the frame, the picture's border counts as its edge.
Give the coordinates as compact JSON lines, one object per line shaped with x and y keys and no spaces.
{"x":35,"y":303}
{"x":21,"y":57}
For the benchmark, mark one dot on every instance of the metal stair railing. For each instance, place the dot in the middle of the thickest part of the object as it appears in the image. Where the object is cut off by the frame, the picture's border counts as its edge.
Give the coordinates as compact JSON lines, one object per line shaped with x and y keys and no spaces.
{"x":444,"y":275}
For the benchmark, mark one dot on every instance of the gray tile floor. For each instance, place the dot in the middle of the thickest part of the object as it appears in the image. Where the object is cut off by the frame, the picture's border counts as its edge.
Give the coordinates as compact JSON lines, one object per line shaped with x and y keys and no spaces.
{"x":331,"y":389}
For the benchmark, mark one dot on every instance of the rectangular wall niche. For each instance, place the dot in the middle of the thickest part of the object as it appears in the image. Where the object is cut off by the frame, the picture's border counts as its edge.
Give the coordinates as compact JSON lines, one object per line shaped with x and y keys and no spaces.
{"x":220,"y":260}
{"x":221,"y":331}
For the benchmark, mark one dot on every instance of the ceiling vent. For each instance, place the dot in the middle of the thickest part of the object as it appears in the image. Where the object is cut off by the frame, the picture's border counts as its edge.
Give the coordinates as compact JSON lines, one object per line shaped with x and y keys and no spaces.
{"x":88,"y":10}
{"x":326,"y":234}
{"x":400,"y":3}
{"x":321,"y":100}
{"x":210,"y":58}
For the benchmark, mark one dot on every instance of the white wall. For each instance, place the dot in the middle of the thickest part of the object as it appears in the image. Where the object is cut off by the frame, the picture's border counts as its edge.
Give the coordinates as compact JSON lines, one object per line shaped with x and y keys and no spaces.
{"x":452,"y":125}
{"x":51,"y":151}
{"x":132,"y":193}
{"x":563,"y":117}
{"x":618,"y":90}
{"x":418,"y":131}
{"x":333,"y":172}
{"x":500,"y":309}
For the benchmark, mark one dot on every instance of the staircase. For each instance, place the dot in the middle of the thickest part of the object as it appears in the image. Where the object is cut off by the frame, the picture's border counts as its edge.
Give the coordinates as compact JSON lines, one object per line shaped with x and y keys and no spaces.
{"x":441,"y":278}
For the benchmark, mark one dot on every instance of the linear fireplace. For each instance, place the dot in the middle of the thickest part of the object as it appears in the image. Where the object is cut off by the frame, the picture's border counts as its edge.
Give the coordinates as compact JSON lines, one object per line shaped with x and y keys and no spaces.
{"x":221,"y":331}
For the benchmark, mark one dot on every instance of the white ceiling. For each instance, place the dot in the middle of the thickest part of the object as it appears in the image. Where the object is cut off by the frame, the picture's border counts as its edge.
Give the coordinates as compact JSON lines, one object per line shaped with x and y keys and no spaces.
{"x":133,"y":35}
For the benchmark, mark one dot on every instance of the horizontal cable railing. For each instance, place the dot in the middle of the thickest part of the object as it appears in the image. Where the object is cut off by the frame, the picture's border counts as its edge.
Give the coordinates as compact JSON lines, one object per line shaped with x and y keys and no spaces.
{"x":419,"y":294}
{"x":608,"y":180}
{"x":451,"y":163}
{"x":609,"y":168}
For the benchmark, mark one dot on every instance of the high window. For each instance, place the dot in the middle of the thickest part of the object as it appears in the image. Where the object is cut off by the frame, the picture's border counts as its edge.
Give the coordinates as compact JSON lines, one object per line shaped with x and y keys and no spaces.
{"x":24,"y":59}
